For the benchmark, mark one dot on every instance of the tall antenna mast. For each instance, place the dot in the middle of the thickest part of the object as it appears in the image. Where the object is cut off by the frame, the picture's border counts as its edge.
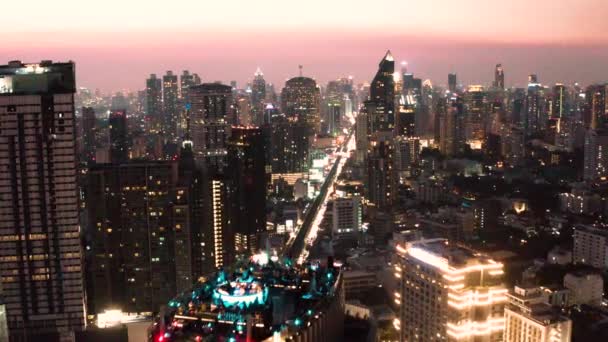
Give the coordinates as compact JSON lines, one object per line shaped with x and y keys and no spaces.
{"x":300,"y":67}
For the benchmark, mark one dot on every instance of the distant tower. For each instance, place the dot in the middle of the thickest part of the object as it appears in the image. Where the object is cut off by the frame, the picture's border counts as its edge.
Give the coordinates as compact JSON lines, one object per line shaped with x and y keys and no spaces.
{"x":89,"y":128}
{"x":119,"y":147}
{"x":210,"y":114}
{"x":301,"y":100}
{"x":596,"y":157}
{"x":247,"y":197}
{"x":154,"y":103}
{"x":170,"y":105}
{"x":452,"y":82}
{"x":559,"y":101}
{"x":380,"y":113}
{"x":499,"y":77}
{"x":258,"y":95}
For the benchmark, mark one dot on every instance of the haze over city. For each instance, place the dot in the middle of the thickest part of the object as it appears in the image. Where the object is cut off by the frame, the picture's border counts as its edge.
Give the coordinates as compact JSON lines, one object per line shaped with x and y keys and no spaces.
{"x":304,"y":171}
{"x":229,"y":40}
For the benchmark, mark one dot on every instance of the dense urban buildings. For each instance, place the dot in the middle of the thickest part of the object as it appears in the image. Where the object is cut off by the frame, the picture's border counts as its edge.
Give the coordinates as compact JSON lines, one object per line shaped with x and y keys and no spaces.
{"x":395,"y":208}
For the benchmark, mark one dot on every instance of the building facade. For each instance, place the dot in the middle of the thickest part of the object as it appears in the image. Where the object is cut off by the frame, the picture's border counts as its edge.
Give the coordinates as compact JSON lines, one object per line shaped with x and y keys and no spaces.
{"x":40,"y":252}
{"x":448,"y":293}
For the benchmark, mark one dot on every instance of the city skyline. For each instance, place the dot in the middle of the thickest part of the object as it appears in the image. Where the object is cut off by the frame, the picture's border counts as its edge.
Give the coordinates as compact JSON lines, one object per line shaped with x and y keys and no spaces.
{"x":313,"y":171}
{"x":330,"y":40}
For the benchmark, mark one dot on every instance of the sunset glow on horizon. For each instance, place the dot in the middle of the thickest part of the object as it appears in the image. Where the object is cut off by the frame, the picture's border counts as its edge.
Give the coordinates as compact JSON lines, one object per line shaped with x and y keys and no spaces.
{"x":331,"y":38}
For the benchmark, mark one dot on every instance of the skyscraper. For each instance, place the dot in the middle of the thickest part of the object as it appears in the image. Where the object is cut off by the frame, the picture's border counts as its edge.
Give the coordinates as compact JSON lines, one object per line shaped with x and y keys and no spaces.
{"x":534,"y":106}
{"x":559,"y":101}
{"x":119,"y":144}
{"x":380,"y":112}
{"x":154,"y":104}
{"x":210,"y":117}
{"x":89,"y":130}
{"x":246,"y":174}
{"x":382,"y":94}
{"x":448,"y":292}
{"x":301,"y":99}
{"x":290,"y":144}
{"x":170,"y":105}
{"x":41,"y":254}
{"x":130,"y":237}
{"x":596,"y":154}
{"x":452,"y":82}
{"x":187,"y":80}
{"x":499,"y":77}
{"x":258,"y":97}
{"x":452,"y":127}
{"x":596,"y":106}
{"x":476,"y":111}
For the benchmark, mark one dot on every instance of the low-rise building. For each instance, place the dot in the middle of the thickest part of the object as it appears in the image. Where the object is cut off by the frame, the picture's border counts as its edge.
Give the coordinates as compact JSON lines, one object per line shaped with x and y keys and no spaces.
{"x":590,"y":246}
{"x":529,"y":319}
{"x":585,"y":288}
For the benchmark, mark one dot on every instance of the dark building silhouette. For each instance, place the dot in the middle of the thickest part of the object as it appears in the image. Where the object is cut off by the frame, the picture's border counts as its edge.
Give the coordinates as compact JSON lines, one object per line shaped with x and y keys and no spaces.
{"x":170,"y":105}
{"x":290,"y":143}
{"x":211,"y":115}
{"x":154,"y":104}
{"x":452,"y":83}
{"x":247,"y":179}
{"x":499,"y":77}
{"x":119,"y":143}
{"x":134,"y":254}
{"x":89,"y":130}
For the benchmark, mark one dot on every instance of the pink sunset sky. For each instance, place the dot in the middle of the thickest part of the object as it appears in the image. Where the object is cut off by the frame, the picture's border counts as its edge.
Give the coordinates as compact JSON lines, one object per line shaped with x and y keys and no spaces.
{"x":116,"y":44}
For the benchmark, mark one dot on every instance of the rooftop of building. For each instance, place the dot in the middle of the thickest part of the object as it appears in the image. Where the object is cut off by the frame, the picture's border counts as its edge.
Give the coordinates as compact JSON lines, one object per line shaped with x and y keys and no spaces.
{"x":18,"y":78}
{"x":449,"y":256}
{"x":592,"y":229}
{"x":542,"y":313}
{"x":258,"y":298}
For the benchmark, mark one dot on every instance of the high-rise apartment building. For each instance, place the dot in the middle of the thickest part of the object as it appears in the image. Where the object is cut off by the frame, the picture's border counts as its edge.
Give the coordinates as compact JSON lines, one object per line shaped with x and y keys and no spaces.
{"x":170,"y":105}
{"x":186,"y":80}
{"x":40,"y":252}
{"x":246,"y":174}
{"x":154,"y":104}
{"x":590,"y":246}
{"x":211,"y":115}
{"x":290,"y":144}
{"x":346,"y":217}
{"x":596,"y":155}
{"x":448,"y":293}
{"x":476,"y":112}
{"x":119,"y":144}
{"x":559,"y":109}
{"x":533,"y":114}
{"x":452,"y":136}
{"x":596,"y":107}
{"x":89,"y":130}
{"x":131,"y":238}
